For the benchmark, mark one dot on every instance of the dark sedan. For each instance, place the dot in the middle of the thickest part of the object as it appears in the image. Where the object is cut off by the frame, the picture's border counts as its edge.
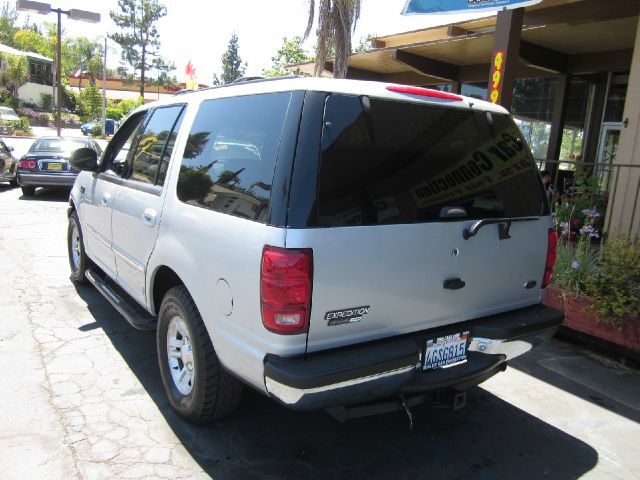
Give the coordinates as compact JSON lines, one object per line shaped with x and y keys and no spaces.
{"x":46,"y":164}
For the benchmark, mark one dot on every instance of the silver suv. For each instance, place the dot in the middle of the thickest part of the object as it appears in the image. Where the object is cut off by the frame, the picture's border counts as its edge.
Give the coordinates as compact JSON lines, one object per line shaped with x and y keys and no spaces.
{"x":351,"y":246}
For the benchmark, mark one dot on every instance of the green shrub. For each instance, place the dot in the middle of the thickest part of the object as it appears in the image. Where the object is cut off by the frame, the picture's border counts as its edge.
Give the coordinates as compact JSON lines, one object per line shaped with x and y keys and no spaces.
{"x":616,"y":287}
{"x":576,"y":266}
{"x":46,"y":101}
{"x":21,"y":128}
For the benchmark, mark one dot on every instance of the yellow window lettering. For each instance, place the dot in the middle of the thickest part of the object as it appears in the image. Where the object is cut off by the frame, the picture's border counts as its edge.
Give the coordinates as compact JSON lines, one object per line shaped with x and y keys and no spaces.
{"x":515,"y":143}
{"x":502,"y":145}
{"x":483,"y":161}
{"x":495,"y":151}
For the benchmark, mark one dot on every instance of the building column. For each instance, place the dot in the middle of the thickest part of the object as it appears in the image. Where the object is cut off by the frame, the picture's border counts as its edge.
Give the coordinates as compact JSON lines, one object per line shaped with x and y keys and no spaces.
{"x":505,"y":56}
{"x":623,"y":212}
{"x":557,"y":121}
{"x":594,"y":126}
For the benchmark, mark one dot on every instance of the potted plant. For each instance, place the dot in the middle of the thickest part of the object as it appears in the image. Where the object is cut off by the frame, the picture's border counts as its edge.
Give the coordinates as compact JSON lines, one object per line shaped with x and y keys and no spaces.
{"x":599,"y":292}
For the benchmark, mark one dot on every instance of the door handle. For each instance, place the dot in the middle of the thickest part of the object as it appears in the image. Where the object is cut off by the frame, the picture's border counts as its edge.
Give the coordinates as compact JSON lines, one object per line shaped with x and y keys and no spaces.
{"x":454,"y":284}
{"x":149,"y":217}
{"x":106,"y":199}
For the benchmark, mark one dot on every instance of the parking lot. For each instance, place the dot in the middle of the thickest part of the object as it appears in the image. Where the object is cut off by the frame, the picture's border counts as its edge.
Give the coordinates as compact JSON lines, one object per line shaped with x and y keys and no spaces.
{"x":82,"y":398}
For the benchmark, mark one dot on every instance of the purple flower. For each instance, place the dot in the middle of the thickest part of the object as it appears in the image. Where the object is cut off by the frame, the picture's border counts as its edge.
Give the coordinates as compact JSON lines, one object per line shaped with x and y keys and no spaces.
{"x":589,"y":230}
{"x":575,"y":265}
{"x":590,"y":213}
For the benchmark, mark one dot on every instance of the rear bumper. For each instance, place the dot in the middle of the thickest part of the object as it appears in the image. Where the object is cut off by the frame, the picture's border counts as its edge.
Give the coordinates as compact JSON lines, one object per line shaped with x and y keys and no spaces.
{"x":372,"y":371}
{"x":46,"y":179}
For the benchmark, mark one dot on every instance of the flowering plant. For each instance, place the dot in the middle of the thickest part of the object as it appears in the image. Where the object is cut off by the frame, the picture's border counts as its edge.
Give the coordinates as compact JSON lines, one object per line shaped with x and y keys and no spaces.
{"x":576,"y":265}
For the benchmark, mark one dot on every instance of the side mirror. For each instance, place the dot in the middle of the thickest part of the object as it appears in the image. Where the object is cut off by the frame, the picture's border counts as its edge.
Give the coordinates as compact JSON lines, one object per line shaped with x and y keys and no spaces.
{"x":85,"y":159}
{"x":11,"y":149}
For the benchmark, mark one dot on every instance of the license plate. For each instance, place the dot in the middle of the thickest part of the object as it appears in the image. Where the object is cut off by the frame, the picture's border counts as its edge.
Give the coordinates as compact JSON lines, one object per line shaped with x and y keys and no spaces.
{"x":54,"y":166}
{"x":445,"y":351}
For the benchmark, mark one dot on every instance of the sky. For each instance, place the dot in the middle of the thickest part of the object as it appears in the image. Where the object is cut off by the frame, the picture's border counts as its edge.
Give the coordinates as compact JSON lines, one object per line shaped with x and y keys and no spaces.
{"x":200,"y":30}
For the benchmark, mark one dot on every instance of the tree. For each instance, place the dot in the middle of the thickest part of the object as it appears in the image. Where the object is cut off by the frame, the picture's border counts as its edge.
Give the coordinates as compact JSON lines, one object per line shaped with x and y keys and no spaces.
{"x":30,"y":41}
{"x":232,"y":67}
{"x":86,"y":56}
{"x":290,"y":53}
{"x":364,"y":44}
{"x":8,"y":18}
{"x":91,"y":102}
{"x":336,"y":20}
{"x":140,"y":39}
{"x":163,"y":71}
{"x":16,"y":73}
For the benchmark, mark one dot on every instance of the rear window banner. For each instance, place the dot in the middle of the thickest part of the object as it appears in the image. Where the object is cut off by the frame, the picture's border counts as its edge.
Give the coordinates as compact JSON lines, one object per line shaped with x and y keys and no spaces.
{"x":421,"y":7}
{"x":497,"y":161}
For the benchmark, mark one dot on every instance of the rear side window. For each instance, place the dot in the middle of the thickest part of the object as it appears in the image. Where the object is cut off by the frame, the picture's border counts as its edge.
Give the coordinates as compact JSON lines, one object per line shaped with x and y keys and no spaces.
{"x":386,"y":162}
{"x":230,"y":155}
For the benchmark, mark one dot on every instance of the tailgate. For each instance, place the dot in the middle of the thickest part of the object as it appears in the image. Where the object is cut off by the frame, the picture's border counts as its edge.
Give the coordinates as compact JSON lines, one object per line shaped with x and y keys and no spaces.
{"x":378,"y":281}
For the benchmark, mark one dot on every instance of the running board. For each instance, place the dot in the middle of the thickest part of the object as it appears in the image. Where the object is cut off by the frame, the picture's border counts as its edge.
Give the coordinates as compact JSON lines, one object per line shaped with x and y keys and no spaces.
{"x":126,"y":306}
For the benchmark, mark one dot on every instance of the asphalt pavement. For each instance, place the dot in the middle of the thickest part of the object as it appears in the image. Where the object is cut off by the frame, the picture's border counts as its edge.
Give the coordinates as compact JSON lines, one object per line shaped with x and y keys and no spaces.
{"x":82,"y":398}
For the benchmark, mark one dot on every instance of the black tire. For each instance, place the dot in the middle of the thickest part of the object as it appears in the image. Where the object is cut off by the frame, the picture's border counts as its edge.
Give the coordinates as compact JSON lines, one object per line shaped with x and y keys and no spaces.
{"x":78,"y":260}
{"x":28,"y":191}
{"x":13,"y":183}
{"x":214,"y":393}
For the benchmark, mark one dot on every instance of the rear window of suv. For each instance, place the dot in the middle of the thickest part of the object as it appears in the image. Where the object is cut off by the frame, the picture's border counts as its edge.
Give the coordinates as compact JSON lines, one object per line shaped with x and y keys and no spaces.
{"x":387,"y":162}
{"x":229,"y":159}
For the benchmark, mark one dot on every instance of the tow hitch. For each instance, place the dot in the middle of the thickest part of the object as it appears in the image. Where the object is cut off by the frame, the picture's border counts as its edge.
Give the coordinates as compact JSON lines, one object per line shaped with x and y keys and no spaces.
{"x":440,"y":399}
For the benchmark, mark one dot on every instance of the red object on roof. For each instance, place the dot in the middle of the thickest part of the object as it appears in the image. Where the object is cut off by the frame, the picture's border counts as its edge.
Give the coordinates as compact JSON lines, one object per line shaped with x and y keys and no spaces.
{"x":425,"y":92}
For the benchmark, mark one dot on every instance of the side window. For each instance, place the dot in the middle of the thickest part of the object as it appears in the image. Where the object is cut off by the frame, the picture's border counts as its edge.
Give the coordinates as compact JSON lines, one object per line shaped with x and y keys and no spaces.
{"x":154,"y":147}
{"x":230,"y":155}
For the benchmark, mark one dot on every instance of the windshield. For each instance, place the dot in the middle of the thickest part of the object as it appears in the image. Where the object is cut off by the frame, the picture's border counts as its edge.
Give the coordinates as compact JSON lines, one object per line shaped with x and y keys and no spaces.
{"x":61,"y":145}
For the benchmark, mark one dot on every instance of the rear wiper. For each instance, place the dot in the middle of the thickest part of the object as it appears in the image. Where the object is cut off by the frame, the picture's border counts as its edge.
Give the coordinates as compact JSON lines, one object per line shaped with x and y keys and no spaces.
{"x":505,"y":226}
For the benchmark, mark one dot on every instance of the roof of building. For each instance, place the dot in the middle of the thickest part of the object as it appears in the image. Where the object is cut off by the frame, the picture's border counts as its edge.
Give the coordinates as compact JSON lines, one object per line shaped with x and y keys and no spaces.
{"x":14,"y":51}
{"x":568,"y":36}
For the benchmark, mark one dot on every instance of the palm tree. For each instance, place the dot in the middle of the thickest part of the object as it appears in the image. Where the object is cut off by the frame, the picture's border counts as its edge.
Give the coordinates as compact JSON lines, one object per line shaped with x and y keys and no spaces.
{"x":336,"y":20}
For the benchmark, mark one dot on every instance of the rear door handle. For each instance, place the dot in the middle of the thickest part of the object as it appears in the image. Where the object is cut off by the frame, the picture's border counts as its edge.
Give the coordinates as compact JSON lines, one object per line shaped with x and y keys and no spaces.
{"x":106,"y":199}
{"x":454,"y":284}
{"x":149,"y":217}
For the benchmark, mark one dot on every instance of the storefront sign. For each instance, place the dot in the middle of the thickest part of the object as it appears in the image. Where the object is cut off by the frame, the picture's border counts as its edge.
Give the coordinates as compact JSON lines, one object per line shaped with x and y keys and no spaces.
{"x":497,"y":72}
{"x":418,"y":7}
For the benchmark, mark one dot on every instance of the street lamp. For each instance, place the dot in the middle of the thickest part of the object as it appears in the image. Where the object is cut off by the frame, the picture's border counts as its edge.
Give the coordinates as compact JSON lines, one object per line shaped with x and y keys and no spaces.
{"x":73,"y":14}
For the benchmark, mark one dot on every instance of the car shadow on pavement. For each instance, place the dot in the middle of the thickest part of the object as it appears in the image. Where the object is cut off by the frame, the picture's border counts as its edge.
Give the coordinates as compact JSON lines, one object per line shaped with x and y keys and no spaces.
{"x":585,"y":374}
{"x":489,"y":439}
{"x":48,"y":194}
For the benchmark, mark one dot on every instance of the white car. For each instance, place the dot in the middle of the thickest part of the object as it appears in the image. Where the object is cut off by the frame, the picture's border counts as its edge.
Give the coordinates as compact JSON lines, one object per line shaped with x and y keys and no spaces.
{"x":330,"y":243}
{"x":8,"y":114}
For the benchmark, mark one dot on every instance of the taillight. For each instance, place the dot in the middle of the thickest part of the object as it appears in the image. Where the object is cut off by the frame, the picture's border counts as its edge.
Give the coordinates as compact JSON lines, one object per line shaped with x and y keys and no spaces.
{"x":425,"y":92}
{"x":28,"y":164}
{"x":552,"y":246}
{"x":285,"y":289}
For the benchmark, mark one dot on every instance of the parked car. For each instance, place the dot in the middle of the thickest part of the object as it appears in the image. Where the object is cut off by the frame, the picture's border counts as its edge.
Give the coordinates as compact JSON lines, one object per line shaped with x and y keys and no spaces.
{"x":46,"y":163}
{"x":8,"y":164}
{"x":330,"y":243}
{"x":94,"y":127}
{"x":8,"y":114}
